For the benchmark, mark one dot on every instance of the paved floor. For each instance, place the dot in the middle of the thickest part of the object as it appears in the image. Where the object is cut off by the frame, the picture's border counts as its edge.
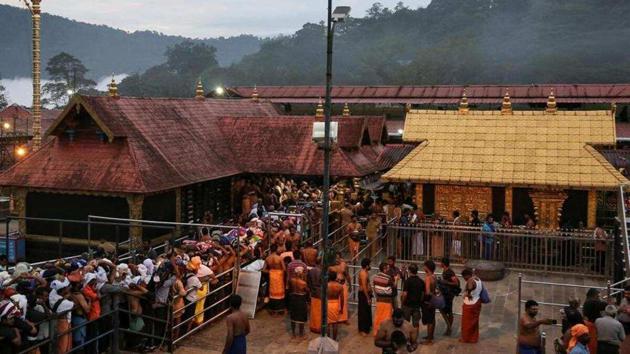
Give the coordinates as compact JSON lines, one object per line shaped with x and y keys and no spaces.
{"x":498,"y":323}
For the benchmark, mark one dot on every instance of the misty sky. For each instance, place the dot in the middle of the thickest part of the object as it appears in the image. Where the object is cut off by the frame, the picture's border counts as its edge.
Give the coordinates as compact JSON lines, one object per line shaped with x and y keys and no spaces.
{"x":205,"y":18}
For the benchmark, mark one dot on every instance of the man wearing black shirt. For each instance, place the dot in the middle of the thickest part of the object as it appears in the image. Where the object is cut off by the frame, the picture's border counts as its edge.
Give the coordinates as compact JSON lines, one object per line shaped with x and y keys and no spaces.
{"x":412,"y":296}
{"x":449,"y":286}
{"x":593,"y":306}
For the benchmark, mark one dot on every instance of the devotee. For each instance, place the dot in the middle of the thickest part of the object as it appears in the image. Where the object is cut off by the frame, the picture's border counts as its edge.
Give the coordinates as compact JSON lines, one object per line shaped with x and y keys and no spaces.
{"x":471,"y":308}
{"x":488,"y":237}
{"x":59,"y":303}
{"x":298,"y":300}
{"x":624,"y":310}
{"x":412,"y":297}
{"x":314,"y":281}
{"x":371,"y":232}
{"x":335,"y":304}
{"x":571,"y":314}
{"x":396,"y":323}
{"x":396,"y":275}
{"x":610,"y":332}
{"x":294,"y":264}
{"x":383,"y":291}
{"x":310,"y":254}
{"x":529,"y":330}
{"x":428,"y":310}
{"x":579,"y":340}
{"x":365,"y":299}
{"x":449,"y":287}
{"x":343,"y":277}
{"x":274,"y":266}
{"x":353,"y":230}
{"x":237,"y":328}
{"x":601,"y":246}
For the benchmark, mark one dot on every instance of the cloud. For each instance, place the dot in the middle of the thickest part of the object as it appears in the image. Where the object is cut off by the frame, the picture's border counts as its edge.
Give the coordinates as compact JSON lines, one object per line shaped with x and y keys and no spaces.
{"x":205,"y":18}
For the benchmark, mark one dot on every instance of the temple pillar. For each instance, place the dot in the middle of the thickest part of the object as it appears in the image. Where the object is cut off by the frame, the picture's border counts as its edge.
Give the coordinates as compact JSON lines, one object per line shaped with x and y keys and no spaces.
{"x":508,"y":203}
{"x":592,"y":209}
{"x":135,"y":202}
{"x":548,"y":207}
{"x":419,"y":195}
{"x":19,"y":204}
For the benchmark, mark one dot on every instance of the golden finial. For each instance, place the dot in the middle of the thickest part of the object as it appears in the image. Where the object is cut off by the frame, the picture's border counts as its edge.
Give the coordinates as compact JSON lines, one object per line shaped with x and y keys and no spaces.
{"x":552,"y":107}
{"x":255,"y":94}
{"x":506,"y":106}
{"x":463,"y":104}
{"x":346,"y":110}
{"x":199,"y":94}
{"x":613,"y":109}
{"x":407,"y":107}
{"x":319,"y":112}
{"x":113,"y":88}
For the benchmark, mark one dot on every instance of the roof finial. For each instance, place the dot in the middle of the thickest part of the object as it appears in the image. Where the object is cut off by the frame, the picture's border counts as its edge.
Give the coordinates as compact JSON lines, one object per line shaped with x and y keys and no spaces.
{"x":463,"y":104}
{"x":552,"y":107}
{"x":199,"y":94}
{"x":319,"y":112}
{"x":113,"y":88}
{"x":506,"y":106}
{"x":346,"y":110}
{"x":255,"y":94}
{"x":613,"y":109}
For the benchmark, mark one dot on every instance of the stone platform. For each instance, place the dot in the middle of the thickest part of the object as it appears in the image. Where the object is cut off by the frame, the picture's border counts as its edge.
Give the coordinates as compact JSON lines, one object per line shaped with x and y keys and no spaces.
{"x":498,"y":324}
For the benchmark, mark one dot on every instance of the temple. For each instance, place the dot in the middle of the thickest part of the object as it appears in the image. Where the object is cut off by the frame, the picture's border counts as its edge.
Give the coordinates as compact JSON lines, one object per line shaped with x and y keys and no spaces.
{"x":545,"y":163}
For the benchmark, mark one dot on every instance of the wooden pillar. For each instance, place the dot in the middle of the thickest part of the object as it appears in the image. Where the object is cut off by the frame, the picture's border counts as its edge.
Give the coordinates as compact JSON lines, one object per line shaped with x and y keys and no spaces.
{"x":135,"y":202}
{"x":19,"y":198}
{"x":419,"y":195}
{"x":508,"y":202}
{"x":548,"y":207}
{"x":592,"y":209}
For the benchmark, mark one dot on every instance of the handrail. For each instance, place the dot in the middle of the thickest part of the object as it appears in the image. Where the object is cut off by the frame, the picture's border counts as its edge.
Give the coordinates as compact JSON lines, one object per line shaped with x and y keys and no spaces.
{"x":140,"y":221}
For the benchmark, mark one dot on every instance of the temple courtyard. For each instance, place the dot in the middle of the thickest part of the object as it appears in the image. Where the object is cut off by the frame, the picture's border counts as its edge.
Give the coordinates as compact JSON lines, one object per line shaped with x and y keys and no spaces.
{"x":271,"y":335}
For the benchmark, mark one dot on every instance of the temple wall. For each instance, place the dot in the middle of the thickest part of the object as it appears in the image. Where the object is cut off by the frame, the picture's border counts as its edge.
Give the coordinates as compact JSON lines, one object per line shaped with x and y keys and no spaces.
{"x":463,"y":198}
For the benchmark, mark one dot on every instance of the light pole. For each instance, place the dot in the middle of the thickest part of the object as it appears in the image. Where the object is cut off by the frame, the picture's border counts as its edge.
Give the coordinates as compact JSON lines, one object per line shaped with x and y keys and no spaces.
{"x":340,"y":13}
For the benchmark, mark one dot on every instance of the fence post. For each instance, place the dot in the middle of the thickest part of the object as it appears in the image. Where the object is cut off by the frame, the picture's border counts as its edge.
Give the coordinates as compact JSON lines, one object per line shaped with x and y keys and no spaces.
{"x":543,"y":342}
{"x":169,"y":326}
{"x":117,"y":236}
{"x":608,"y":291}
{"x":89,"y":238}
{"x":60,"y":246}
{"x":116,"y":333}
{"x":518,"y":317}
{"x":6,"y":239}
{"x":52,"y":329}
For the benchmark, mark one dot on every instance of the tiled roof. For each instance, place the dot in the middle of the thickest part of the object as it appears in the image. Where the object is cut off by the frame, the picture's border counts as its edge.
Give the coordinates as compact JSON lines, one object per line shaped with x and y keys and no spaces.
{"x":21,"y":117}
{"x":159,"y":144}
{"x":524,"y":149}
{"x":444,"y":94}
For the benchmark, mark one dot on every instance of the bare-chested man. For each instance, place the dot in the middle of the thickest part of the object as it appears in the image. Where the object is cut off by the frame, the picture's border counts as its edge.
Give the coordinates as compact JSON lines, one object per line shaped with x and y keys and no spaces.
{"x":298,"y":301}
{"x":237,"y":328}
{"x":353,"y":230}
{"x":280,"y":239}
{"x":343,"y":277}
{"x":335,"y":304}
{"x":274,"y":266}
{"x":309,"y":254}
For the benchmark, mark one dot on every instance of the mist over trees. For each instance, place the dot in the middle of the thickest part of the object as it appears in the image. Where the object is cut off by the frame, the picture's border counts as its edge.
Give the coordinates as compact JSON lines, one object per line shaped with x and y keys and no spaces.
{"x":104,"y":50}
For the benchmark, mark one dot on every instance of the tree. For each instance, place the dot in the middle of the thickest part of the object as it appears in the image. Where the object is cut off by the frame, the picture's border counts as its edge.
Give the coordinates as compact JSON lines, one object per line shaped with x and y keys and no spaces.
{"x":66,"y":73}
{"x":190,"y":58}
{"x":3,"y":98}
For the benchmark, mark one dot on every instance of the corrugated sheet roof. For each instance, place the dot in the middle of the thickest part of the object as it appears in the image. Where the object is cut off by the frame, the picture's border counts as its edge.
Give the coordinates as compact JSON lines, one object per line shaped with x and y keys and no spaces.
{"x":524,"y":149}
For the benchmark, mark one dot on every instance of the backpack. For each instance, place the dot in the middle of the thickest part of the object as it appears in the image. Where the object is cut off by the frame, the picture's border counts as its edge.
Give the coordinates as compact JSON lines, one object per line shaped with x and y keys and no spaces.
{"x":484,"y":295}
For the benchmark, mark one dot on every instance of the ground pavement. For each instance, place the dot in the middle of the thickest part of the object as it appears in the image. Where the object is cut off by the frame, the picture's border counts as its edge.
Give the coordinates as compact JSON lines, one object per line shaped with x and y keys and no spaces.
{"x":498,"y":324}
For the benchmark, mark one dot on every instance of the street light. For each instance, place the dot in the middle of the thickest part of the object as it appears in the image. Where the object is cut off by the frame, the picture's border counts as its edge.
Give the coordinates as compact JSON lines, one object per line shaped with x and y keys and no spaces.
{"x":6,"y":125}
{"x":70,"y":92}
{"x":21,"y":151}
{"x":219,"y":91}
{"x":334,"y":17}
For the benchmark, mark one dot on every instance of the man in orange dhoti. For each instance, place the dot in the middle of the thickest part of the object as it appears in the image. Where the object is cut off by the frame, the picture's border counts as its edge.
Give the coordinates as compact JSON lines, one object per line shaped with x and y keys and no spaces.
{"x":335,"y":304}
{"x":313,"y":279}
{"x":275,"y":267}
{"x":353,"y":230}
{"x":383,"y":289}
{"x":471,"y":308}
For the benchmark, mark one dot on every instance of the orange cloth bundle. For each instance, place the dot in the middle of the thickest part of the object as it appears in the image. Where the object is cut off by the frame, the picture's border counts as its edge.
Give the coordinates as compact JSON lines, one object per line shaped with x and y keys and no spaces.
{"x":383,"y":312}
{"x":315,"y":320}
{"x":276,"y":284}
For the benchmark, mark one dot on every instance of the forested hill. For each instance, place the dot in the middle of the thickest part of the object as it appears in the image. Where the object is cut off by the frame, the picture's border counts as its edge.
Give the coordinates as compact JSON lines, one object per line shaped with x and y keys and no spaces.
{"x":103,"y":50}
{"x":455,"y":42}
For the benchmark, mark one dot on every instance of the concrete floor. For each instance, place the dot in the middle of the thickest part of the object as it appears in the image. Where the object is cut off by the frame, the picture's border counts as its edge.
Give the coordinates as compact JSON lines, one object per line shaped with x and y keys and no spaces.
{"x":498,"y":323}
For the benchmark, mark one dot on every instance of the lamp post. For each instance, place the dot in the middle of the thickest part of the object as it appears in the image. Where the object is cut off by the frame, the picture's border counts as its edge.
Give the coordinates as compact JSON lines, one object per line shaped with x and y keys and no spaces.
{"x":340,"y":13}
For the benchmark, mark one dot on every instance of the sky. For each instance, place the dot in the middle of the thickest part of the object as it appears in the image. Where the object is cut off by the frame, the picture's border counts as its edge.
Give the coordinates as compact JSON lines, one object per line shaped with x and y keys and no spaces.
{"x":205,"y":18}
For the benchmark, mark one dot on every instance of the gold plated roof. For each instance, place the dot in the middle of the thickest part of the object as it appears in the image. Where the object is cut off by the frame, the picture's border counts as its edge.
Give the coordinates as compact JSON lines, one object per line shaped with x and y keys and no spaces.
{"x":526,"y":148}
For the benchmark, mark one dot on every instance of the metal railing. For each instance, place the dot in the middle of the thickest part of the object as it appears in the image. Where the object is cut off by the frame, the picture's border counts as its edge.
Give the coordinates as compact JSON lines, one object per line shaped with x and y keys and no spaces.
{"x":557,"y":251}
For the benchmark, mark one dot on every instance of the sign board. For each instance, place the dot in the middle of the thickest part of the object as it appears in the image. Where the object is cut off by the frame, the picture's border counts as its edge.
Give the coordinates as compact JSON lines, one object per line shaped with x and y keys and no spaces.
{"x":247,"y":287}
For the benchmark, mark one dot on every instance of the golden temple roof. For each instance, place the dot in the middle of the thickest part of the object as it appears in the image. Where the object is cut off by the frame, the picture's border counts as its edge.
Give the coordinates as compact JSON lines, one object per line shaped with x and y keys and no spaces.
{"x":526,"y":148}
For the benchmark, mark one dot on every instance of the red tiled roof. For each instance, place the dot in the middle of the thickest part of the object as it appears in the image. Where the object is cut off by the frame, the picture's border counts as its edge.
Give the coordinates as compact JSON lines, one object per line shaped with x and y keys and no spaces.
{"x":21,"y":117}
{"x":160,"y":144}
{"x":622,"y":130}
{"x":444,"y":94}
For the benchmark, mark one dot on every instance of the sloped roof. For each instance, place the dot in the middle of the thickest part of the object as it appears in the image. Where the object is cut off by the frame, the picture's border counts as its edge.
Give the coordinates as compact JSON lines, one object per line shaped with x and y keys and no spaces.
{"x":283,"y":145}
{"x":524,"y":149}
{"x":444,"y":94}
{"x":159,"y":144}
{"x":21,"y":117}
